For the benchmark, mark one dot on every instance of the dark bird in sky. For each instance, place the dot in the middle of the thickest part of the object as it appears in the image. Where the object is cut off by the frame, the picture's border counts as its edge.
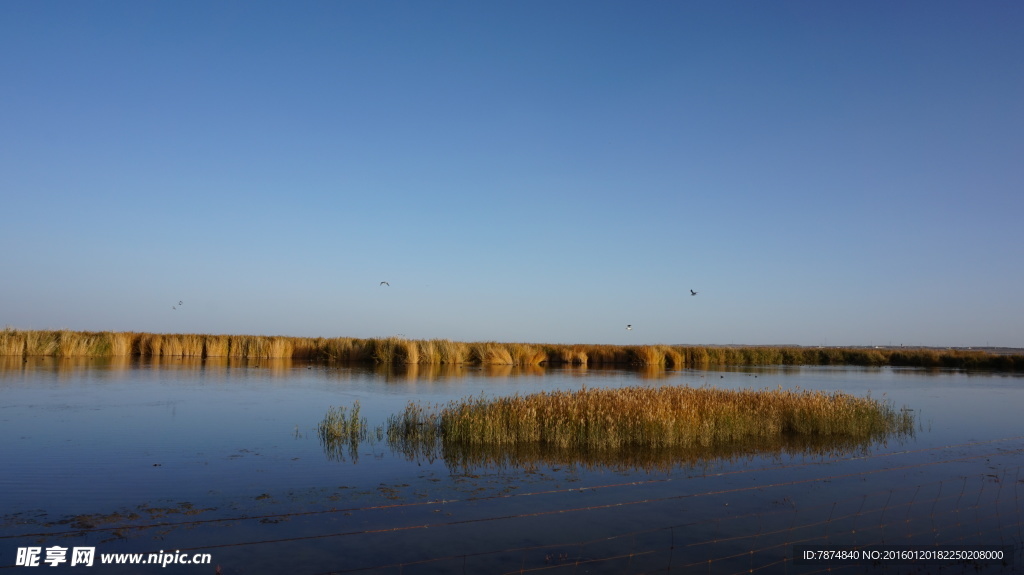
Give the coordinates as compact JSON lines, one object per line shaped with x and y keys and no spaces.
{"x":693,"y":292}
{"x":385,"y":284}
{"x":180,"y":302}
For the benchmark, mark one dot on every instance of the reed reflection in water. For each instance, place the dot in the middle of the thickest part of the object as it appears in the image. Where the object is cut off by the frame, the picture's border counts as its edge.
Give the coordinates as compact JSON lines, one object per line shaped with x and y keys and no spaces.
{"x":468,"y":458}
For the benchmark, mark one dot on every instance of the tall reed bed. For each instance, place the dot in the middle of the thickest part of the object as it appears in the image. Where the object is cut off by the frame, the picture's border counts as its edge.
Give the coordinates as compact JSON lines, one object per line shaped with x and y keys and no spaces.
{"x":120,"y":343}
{"x":569,"y":354}
{"x":527,"y":354}
{"x":344,"y":349}
{"x":397,"y":350}
{"x":452,"y":351}
{"x":651,"y":418}
{"x":41,"y":342}
{"x":490,"y":353}
{"x":216,"y":345}
{"x":12,"y":342}
{"x":149,"y":344}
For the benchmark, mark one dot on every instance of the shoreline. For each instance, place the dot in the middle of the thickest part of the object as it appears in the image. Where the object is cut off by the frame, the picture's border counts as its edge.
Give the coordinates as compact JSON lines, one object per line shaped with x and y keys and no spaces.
{"x":399,"y":350}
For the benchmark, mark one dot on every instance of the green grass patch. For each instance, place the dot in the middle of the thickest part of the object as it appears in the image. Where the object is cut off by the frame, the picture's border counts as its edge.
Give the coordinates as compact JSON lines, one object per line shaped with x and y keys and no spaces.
{"x":341,"y":431}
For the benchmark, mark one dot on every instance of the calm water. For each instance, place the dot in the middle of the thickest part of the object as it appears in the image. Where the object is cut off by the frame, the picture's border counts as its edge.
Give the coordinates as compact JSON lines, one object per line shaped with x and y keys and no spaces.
{"x":223,"y":458}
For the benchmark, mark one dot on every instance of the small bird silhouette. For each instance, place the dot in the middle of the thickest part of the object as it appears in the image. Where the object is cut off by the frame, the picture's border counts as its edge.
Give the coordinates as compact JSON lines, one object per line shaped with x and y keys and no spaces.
{"x":693,"y":292}
{"x":385,"y":284}
{"x":180,"y":302}
{"x":629,"y":326}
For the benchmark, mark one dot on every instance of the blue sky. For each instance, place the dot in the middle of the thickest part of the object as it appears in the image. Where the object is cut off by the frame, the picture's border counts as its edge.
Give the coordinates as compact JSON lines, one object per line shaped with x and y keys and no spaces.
{"x":822,"y":173}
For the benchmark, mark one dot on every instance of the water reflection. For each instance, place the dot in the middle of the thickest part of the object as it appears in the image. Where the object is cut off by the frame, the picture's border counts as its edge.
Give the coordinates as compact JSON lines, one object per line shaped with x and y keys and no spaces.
{"x":278,"y":367}
{"x":126,"y":453}
{"x":284,"y":367}
{"x":462,"y":457}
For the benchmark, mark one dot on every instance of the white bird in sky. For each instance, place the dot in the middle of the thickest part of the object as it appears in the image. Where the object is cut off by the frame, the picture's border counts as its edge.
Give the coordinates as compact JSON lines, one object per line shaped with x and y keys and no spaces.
{"x":629,"y":326}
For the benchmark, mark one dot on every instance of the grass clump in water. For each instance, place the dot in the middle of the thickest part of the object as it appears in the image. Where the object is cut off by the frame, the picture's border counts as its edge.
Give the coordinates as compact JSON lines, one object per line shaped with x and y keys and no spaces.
{"x":416,"y":432}
{"x":590,"y":420}
{"x":342,"y":430}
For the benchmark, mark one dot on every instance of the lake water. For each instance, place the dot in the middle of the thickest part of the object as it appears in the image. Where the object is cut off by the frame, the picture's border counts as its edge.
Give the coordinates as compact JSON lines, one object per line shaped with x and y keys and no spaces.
{"x":184,"y":458}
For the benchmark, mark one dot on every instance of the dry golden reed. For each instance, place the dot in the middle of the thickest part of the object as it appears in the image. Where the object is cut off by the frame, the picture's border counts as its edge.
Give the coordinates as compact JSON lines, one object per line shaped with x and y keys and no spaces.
{"x":12,"y":342}
{"x":120,"y":343}
{"x":172,"y":346}
{"x":573,"y":355}
{"x":648,"y":417}
{"x":41,"y":342}
{"x":490,"y":353}
{"x":72,"y":344}
{"x":398,"y":350}
{"x":215,"y":345}
{"x":452,"y":351}
{"x":150,"y":344}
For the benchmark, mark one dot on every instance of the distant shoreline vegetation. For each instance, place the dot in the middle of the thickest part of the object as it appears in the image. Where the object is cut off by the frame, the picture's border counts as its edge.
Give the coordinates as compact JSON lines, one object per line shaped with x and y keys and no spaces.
{"x":398,"y":351}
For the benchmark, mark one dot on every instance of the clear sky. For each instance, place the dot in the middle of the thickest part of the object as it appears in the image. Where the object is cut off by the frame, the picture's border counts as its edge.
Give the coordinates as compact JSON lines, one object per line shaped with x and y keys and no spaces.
{"x":822,"y":173}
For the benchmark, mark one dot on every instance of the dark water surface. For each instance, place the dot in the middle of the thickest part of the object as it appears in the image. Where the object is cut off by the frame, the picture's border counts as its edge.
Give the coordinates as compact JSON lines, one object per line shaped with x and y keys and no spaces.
{"x":223,"y":458}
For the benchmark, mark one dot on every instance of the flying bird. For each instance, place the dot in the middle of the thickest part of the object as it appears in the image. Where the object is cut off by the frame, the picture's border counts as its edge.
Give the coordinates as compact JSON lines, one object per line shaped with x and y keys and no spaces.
{"x":629,"y":326}
{"x":693,"y":292}
{"x":180,"y":302}
{"x":385,"y":284}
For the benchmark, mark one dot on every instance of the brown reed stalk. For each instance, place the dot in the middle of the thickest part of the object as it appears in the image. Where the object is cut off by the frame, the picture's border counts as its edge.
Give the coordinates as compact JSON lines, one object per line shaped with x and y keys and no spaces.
{"x":280,"y":347}
{"x":408,"y":351}
{"x":216,"y":345}
{"x":119,"y":344}
{"x":526,"y":354}
{"x":384,"y":350}
{"x":490,"y":353}
{"x":173,"y":346}
{"x":428,"y":352}
{"x":307,"y":348}
{"x":674,"y":358}
{"x":572,"y":354}
{"x":191,"y":345}
{"x":41,"y":343}
{"x":12,"y":342}
{"x":73,"y":344}
{"x":649,"y":355}
{"x":452,"y":352}
{"x":150,"y":344}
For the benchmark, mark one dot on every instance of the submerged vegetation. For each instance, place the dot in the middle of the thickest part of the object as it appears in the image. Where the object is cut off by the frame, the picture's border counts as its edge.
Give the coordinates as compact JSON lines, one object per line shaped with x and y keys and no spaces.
{"x":398,"y":350}
{"x":642,"y":425}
